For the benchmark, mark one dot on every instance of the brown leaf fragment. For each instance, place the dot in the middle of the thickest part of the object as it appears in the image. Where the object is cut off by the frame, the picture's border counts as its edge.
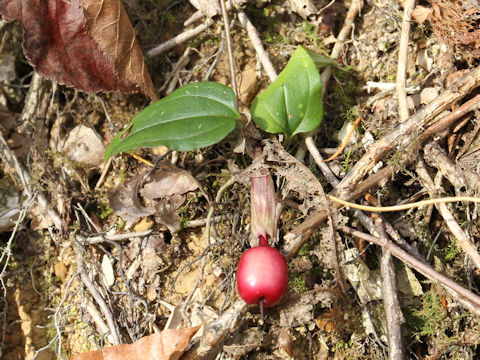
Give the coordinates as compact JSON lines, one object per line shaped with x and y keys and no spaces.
{"x":109,"y":25}
{"x":125,"y":201}
{"x":86,"y":44}
{"x":421,"y":14}
{"x":168,"y":180}
{"x":167,"y":345}
{"x":160,"y":193}
{"x":167,"y":212}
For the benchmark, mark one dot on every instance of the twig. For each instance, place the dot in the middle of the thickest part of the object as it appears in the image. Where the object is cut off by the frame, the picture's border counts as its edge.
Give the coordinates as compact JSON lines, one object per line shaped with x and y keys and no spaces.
{"x":468,"y":299}
{"x":324,"y":168}
{"x":462,"y":239}
{"x":96,"y":295}
{"x":345,"y":141}
{"x":7,"y":250}
{"x":408,"y":6}
{"x":231,"y":60}
{"x":393,"y":314}
{"x":257,"y":44}
{"x":405,"y":137}
{"x":11,"y":160}
{"x":181,"y":38}
{"x":97,"y":319}
{"x":342,"y":36}
{"x":298,"y":236}
{"x":447,"y":120}
{"x":117,"y":237}
{"x":463,"y":180}
{"x":106,"y":169}
{"x":405,"y":206}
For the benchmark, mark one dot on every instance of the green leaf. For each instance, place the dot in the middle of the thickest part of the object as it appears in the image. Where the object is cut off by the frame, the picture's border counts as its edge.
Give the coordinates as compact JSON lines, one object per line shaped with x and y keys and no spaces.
{"x":194,"y":116}
{"x":292,"y":104}
{"x":322,"y":61}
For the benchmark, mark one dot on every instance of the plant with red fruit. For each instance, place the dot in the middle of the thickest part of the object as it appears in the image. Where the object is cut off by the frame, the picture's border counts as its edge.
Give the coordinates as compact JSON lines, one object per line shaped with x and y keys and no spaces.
{"x":262,"y":276}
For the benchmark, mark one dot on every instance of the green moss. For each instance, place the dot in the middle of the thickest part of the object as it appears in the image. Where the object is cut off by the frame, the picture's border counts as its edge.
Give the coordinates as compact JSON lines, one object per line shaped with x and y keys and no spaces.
{"x":297,"y":284}
{"x":104,"y":211}
{"x":452,"y":250}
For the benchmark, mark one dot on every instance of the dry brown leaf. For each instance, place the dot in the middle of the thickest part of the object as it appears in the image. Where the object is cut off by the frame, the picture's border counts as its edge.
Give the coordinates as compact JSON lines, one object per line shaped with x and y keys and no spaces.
{"x":168,"y":180}
{"x":421,"y":14}
{"x":167,"y":345}
{"x":86,"y":44}
{"x":110,"y":27}
{"x":161,"y":193}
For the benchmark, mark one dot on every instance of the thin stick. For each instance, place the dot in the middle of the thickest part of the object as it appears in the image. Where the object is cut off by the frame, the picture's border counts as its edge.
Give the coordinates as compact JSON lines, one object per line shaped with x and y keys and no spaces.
{"x":472,"y":300}
{"x":406,"y":138}
{"x":345,"y":141}
{"x":317,"y":157}
{"x":408,"y":5}
{"x":231,"y":61}
{"x":9,"y":157}
{"x":257,"y":44}
{"x":179,"y":39}
{"x":463,"y":241}
{"x":342,"y":36}
{"x":393,"y":314}
{"x":446,"y":121}
{"x":402,"y":207}
{"x":96,"y":295}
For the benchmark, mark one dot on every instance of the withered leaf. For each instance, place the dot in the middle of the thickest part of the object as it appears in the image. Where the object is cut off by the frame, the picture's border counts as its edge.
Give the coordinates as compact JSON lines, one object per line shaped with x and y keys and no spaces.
{"x":86,"y":44}
{"x":125,"y":201}
{"x":168,"y":180}
{"x":160,"y":193}
{"x":167,"y":345}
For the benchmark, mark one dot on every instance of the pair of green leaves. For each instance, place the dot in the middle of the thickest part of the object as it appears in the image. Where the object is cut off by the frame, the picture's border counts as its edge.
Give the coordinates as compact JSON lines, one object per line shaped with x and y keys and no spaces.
{"x":202,"y":114}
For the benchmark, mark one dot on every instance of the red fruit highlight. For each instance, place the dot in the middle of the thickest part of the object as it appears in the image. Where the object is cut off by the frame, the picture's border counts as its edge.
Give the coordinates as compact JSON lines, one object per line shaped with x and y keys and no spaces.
{"x":262,"y":276}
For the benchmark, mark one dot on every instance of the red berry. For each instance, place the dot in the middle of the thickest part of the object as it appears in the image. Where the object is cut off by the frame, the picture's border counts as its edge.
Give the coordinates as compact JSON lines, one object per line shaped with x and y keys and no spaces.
{"x":262,"y":276}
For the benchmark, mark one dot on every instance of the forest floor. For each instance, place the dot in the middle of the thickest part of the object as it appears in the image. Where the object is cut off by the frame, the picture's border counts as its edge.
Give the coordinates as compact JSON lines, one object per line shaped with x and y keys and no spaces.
{"x":176,"y":268}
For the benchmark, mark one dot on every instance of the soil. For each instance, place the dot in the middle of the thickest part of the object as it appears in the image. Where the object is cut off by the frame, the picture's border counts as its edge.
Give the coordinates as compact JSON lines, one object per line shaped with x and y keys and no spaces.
{"x":178,"y":274}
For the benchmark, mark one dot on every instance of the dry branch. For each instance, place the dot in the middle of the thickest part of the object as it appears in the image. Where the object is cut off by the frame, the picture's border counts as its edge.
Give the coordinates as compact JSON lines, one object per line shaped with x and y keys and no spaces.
{"x":179,"y":39}
{"x":406,"y":137}
{"x":467,"y":298}
{"x":257,"y":44}
{"x":391,"y":305}
{"x":462,"y":239}
{"x":409,"y":5}
{"x":11,"y":160}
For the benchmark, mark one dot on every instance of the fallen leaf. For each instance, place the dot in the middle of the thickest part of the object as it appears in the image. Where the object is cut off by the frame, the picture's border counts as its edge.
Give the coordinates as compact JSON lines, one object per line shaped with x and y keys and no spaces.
{"x":421,"y":14}
{"x":167,"y":345}
{"x":86,"y":44}
{"x":168,"y":180}
{"x":125,"y":202}
{"x":285,"y":341}
{"x":160,"y":193}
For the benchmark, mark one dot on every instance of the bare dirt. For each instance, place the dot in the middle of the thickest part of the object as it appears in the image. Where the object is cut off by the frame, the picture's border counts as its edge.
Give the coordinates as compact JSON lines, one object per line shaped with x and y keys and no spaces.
{"x":177,"y":275}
